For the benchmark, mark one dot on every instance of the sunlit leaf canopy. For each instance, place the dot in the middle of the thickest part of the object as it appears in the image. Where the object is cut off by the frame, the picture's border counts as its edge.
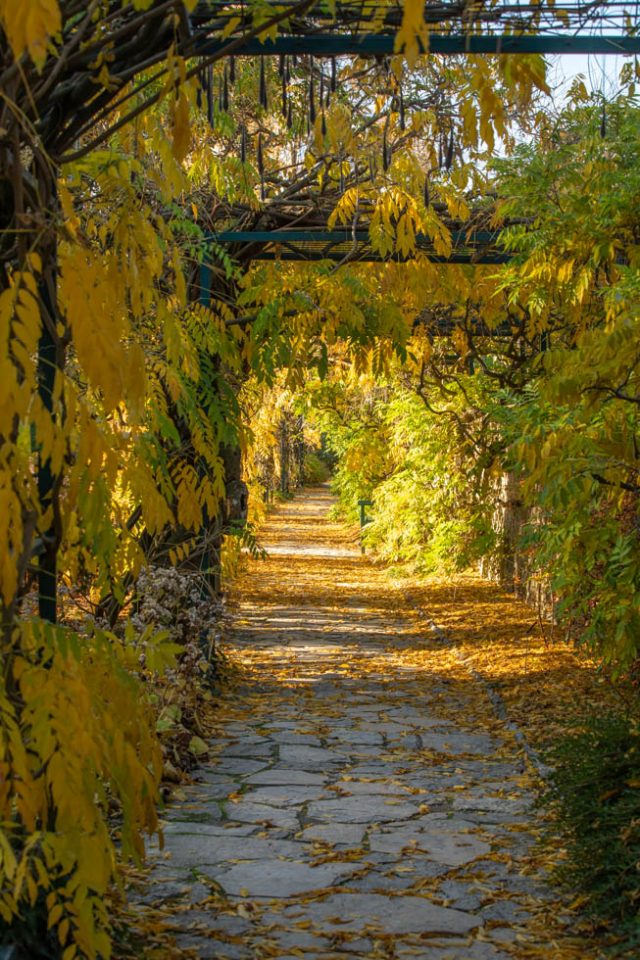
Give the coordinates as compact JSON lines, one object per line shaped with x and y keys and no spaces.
{"x":100,"y":49}
{"x":377,"y":133}
{"x":142,"y":142}
{"x":168,"y":139}
{"x":440,"y":113}
{"x":377,"y":117}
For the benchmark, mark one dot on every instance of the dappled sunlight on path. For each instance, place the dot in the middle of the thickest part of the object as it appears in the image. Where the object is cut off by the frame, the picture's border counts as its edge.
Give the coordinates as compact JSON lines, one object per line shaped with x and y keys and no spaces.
{"x":362,"y":797}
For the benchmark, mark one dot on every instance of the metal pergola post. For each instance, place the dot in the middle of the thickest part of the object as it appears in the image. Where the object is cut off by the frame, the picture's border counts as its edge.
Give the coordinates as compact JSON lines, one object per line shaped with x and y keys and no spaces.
{"x":47,"y":366}
{"x":284,"y":454}
{"x":210,"y":577}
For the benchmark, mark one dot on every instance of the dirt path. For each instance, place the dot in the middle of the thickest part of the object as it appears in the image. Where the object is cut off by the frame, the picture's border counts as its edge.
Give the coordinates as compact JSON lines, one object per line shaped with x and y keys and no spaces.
{"x":364,"y":800}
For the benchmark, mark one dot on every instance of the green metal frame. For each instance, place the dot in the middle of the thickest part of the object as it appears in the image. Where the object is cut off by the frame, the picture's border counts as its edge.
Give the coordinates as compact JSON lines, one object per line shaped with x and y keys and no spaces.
{"x":346,"y":235}
{"x":313,"y":256}
{"x":364,"y":519}
{"x":469,"y":246}
{"x":376,"y":45}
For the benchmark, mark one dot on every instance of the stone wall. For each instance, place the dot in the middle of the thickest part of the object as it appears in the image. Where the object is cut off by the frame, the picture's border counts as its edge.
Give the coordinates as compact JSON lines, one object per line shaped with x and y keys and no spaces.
{"x":510,"y":564}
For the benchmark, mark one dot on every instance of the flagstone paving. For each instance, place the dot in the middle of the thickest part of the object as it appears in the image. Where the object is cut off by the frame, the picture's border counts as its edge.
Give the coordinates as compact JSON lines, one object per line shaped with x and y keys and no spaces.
{"x":362,"y":799}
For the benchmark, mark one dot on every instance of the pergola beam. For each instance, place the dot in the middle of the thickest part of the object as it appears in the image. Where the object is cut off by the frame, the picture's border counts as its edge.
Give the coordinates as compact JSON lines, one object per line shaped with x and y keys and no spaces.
{"x":314,"y":256}
{"x":469,"y":246}
{"x":338,"y":236}
{"x":377,"y":45}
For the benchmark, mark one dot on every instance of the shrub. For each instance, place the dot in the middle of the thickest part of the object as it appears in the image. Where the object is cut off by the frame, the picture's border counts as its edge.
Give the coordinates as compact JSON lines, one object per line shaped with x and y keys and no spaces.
{"x":316,"y":470}
{"x":595,"y":793}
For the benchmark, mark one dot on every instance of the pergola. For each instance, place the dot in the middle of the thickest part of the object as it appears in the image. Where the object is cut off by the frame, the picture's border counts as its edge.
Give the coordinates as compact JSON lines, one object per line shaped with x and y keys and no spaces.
{"x":369,"y":29}
{"x":360,"y":28}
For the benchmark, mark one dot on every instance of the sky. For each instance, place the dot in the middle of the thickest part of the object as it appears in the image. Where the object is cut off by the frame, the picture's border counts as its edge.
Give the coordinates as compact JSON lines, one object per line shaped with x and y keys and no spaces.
{"x":600,"y":71}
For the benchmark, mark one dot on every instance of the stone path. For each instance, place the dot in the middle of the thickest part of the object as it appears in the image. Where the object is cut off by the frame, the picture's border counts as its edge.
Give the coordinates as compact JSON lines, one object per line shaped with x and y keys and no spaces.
{"x":363,"y":799}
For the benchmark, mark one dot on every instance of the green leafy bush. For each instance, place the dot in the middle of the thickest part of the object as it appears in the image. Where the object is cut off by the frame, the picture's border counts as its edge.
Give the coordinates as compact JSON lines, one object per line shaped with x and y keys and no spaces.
{"x":432,"y":503}
{"x":316,"y":470}
{"x":595,"y":793}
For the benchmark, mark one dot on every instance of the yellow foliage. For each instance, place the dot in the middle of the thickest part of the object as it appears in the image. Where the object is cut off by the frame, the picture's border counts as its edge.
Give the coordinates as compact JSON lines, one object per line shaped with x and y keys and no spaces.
{"x":413,"y":35}
{"x":29,"y":26}
{"x":91,"y":740}
{"x":137,"y":353}
{"x":19,"y":401}
{"x":181,"y":127}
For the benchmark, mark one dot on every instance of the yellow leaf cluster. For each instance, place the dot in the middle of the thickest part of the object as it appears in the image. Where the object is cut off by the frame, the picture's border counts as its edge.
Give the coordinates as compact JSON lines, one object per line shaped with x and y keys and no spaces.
{"x":90,"y":736}
{"x":413,"y":36}
{"x":29,"y":26}
{"x":20,"y":403}
{"x":181,"y":127}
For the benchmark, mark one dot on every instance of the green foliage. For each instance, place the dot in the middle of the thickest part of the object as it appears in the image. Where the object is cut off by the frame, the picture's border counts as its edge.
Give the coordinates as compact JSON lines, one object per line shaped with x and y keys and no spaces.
{"x":354,"y":433}
{"x":315,"y":469}
{"x":577,"y":460}
{"x":431,"y":507}
{"x":595,"y":794}
{"x":430,"y":510}
{"x":574,"y":432}
{"x":430,"y":438}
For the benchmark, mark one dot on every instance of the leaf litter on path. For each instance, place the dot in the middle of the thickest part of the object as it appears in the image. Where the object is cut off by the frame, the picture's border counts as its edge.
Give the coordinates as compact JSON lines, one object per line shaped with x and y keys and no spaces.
{"x":355,"y":722}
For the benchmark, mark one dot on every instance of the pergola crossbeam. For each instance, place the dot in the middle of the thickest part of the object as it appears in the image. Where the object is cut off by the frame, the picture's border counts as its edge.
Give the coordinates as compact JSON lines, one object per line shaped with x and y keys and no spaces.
{"x":468,"y":246}
{"x":371,"y":257}
{"x":383,"y":45}
{"x":338,"y":236}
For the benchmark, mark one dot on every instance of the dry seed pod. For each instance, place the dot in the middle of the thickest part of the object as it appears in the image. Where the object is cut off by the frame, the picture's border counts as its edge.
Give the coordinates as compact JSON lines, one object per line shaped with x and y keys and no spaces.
{"x":201,"y":87}
{"x":260,"y":159}
{"x":263,"y":86}
{"x":225,"y":90}
{"x":427,"y":198}
{"x":334,"y":75}
{"x":209,"y":86}
{"x":232,"y":70}
{"x":312,"y":102}
{"x":243,"y":144}
{"x":402,"y":118}
{"x":259,"y":156}
{"x":449,"y":157}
